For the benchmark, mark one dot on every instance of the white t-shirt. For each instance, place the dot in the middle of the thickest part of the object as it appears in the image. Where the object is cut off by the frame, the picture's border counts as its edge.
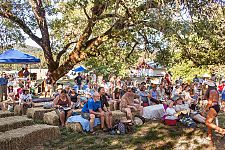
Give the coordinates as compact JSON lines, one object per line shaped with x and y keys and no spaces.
{"x":170,"y":113}
{"x":25,"y":98}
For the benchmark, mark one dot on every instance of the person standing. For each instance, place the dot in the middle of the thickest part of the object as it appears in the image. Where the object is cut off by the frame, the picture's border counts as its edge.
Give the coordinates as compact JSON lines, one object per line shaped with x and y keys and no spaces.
{"x":3,"y":86}
{"x":48,"y":86}
{"x":212,"y":109}
{"x":20,"y":73}
{"x":78,"y":81}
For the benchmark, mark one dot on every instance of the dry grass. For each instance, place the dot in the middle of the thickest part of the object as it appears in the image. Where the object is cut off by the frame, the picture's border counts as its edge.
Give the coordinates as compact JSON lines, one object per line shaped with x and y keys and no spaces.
{"x":153,"y":135}
{"x":26,"y":137}
{"x":14,"y":122}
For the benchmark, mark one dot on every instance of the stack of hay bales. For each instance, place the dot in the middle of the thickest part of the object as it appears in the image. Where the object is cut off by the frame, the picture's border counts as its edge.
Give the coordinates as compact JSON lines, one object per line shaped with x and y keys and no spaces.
{"x":27,"y":137}
{"x":14,"y":122}
{"x":37,"y":113}
{"x":51,"y":118}
{"x":5,"y":114}
{"x":75,"y":126}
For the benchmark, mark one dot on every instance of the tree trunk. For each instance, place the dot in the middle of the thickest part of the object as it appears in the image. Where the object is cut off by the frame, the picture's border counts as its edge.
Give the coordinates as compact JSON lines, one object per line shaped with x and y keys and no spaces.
{"x":68,"y":65}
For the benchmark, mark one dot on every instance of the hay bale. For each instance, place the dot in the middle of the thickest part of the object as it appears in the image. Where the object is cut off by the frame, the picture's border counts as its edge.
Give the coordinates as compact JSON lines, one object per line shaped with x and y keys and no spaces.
{"x":4,"y":114}
{"x":27,"y":137}
{"x":75,"y":126}
{"x":117,"y":115}
{"x":14,"y":122}
{"x":37,"y":113}
{"x":17,"y":110}
{"x":51,"y":118}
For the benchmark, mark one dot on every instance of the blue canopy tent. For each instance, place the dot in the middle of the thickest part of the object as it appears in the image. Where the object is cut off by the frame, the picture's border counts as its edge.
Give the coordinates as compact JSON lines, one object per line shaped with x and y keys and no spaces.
{"x":79,"y":69}
{"x":14,"y":56}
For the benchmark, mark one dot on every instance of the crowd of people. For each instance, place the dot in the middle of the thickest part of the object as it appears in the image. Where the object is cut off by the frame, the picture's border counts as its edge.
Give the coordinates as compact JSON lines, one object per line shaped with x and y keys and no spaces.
{"x":200,"y":100}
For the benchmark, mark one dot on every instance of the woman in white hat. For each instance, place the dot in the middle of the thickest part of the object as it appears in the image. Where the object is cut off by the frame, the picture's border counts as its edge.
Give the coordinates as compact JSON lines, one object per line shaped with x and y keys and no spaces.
{"x":212,"y":109}
{"x":25,"y":100}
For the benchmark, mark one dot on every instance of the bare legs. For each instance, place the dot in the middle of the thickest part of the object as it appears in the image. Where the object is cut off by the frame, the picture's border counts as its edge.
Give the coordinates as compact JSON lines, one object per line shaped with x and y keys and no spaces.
{"x":92,"y":120}
{"x":209,"y":119}
{"x":108,"y":118}
{"x":63,"y":116}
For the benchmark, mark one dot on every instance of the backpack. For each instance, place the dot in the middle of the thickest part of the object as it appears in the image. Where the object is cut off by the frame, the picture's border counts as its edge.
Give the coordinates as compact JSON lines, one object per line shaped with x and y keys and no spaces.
{"x":188,"y":122}
{"x":121,"y":128}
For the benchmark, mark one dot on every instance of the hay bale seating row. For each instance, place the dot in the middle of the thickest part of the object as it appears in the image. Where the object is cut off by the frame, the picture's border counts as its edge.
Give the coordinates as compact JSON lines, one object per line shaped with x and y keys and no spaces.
{"x":4,"y":114}
{"x":14,"y":122}
{"x":29,"y":136}
{"x":52,"y":117}
{"x":37,"y":113}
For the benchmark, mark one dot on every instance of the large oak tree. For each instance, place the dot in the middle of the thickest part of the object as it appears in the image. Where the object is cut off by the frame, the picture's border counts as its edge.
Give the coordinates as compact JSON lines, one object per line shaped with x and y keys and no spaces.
{"x":76,"y":29}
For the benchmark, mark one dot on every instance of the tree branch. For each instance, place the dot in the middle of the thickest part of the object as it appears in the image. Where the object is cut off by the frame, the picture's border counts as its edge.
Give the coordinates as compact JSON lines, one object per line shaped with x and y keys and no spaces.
{"x":22,"y":25}
{"x":39,"y":13}
{"x":64,"y":50}
{"x":133,"y":48}
{"x":85,"y":12}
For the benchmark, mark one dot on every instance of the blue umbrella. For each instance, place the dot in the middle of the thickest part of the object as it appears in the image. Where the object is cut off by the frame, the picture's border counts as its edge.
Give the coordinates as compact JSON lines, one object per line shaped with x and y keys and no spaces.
{"x":79,"y":69}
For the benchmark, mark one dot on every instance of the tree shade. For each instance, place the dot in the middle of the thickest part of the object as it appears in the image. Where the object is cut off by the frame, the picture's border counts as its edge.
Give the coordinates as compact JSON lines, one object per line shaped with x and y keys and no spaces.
{"x":14,"y":56}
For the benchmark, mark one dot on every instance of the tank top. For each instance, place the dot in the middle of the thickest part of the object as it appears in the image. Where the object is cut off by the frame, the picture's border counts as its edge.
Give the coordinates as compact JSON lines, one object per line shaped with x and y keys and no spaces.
{"x":73,"y":97}
{"x":63,"y":103}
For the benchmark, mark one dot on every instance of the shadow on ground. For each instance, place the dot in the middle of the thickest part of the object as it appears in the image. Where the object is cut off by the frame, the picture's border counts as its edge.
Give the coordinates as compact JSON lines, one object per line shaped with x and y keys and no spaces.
{"x":152,"y":135}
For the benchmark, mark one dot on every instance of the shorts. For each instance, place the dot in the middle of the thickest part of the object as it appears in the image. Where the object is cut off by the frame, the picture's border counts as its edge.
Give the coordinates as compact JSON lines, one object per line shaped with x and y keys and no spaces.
{"x":85,"y":115}
{"x":62,"y":110}
{"x":216,"y":108}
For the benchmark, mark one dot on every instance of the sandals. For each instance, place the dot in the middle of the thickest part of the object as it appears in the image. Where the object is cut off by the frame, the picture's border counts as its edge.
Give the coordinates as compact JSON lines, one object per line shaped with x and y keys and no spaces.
{"x":221,"y":131}
{"x":92,"y":132}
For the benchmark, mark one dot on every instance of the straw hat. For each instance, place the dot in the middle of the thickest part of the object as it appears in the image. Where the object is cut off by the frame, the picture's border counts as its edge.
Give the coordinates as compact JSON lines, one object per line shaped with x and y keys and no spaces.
{"x":210,"y":83}
{"x":60,"y":87}
{"x":155,"y":82}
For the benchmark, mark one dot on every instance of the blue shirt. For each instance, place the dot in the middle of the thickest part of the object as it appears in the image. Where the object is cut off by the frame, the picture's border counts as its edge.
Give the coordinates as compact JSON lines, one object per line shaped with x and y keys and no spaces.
{"x":3,"y":81}
{"x":91,"y":104}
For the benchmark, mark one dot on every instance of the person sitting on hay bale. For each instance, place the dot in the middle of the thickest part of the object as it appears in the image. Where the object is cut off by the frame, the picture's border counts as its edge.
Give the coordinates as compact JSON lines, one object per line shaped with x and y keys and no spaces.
{"x":129,"y":104}
{"x":25,"y":100}
{"x":92,"y":109}
{"x":11,"y":100}
{"x":105,"y":107}
{"x":63,"y":103}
